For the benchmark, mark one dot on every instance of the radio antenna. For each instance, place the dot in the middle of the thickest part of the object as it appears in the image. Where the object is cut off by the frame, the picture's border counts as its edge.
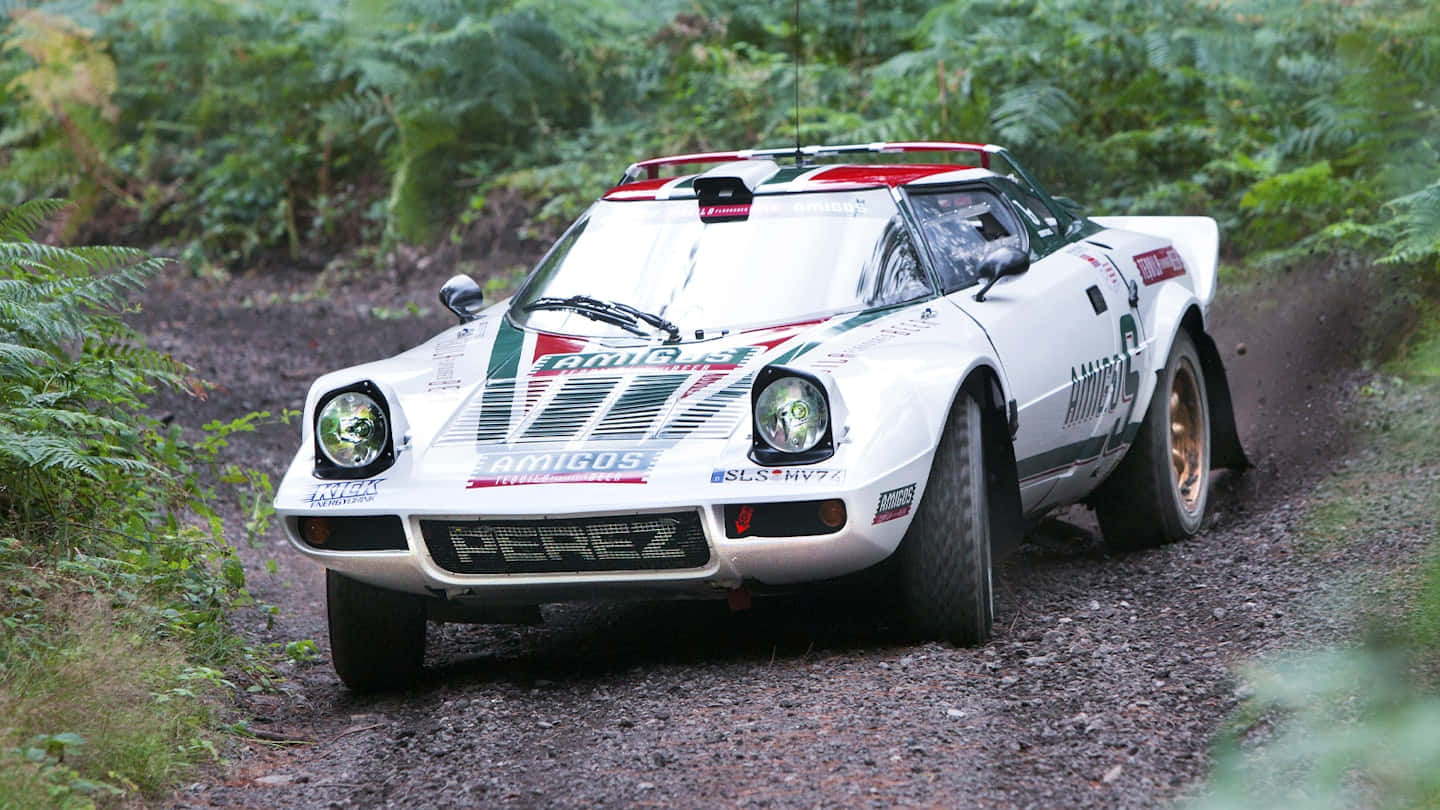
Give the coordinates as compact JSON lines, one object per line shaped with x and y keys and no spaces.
{"x":799,"y":155}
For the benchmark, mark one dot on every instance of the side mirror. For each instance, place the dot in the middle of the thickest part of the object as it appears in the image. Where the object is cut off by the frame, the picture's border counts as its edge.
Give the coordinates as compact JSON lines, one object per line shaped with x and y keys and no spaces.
{"x":462,"y":296}
{"x":999,"y":263}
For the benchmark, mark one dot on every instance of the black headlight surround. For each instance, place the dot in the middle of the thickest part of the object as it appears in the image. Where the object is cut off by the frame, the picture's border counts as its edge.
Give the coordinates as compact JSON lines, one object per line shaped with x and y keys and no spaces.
{"x":324,"y":467}
{"x":762,"y":453}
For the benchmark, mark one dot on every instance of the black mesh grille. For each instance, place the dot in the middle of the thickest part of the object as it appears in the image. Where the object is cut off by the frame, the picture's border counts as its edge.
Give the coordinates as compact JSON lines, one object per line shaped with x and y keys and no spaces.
{"x":616,"y":543}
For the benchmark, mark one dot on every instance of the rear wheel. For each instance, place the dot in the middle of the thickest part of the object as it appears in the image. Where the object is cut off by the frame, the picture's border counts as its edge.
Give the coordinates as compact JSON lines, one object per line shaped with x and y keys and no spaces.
{"x":1159,"y":491}
{"x":377,"y":636}
{"x":944,"y":560}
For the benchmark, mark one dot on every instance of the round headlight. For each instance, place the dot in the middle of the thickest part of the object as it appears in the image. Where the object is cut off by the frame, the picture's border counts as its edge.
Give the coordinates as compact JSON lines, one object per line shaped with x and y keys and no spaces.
{"x":351,"y":430}
{"x":791,"y":415}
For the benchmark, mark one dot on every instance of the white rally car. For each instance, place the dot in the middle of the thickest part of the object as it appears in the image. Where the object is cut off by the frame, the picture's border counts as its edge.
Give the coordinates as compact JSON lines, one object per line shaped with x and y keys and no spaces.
{"x":763,"y":375}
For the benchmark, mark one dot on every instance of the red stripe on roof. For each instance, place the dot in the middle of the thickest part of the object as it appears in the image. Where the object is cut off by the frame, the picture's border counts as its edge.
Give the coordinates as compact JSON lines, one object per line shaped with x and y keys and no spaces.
{"x":894,"y":175}
{"x":639,"y":190}
{"x":833,"y":177}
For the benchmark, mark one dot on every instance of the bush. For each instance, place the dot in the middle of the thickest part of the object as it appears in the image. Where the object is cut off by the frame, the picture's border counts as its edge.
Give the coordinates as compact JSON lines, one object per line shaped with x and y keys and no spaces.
{"x":299,"y":124}
{"x":118,"y":581}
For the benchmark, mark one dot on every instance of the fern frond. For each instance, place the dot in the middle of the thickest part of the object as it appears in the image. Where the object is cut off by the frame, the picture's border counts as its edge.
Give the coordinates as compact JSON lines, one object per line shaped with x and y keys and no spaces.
{"x":22,"y":221}
{"x":14,"y":355}
{"x":1027,"y":113}
{"x":46,"y":453}
{"x":1418,"y":223}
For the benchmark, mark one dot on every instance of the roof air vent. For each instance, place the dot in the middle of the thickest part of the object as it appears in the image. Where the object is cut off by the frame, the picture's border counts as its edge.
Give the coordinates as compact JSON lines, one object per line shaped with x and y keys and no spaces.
{"x":725,"y":192}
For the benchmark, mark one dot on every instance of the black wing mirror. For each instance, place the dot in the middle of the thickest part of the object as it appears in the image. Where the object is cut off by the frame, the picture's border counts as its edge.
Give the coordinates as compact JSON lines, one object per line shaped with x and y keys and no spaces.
{"x":999,"y":263}
{"x":462,"y":296}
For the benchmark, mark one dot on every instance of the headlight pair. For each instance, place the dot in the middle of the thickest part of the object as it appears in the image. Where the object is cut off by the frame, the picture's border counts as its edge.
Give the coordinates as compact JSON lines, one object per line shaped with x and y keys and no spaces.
{"x":792,"y":418}
{"x":352,"y":433}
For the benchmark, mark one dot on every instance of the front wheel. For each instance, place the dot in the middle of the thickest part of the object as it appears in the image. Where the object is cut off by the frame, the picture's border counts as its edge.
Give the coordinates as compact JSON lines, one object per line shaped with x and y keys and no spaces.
{"x":944,"y":560}
{"x":1159,"y":491}
{"x":377,"y":636}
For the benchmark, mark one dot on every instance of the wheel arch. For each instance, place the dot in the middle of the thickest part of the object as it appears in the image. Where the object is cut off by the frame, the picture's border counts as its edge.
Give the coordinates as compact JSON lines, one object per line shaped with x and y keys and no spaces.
{"x":1225,"y":448}
{"x":1002,"y":480}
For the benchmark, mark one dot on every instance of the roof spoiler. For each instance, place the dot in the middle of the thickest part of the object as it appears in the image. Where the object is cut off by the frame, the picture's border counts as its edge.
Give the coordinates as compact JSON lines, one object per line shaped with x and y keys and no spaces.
{"x":987,"y":153}
{"x":650,"y":169}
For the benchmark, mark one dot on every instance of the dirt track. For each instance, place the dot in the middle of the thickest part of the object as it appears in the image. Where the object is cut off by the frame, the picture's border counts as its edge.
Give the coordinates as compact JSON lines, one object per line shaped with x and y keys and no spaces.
{"x":1106,"y":677}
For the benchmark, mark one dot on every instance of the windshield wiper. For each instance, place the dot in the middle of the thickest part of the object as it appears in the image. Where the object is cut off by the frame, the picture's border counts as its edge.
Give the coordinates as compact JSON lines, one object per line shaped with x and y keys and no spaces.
{"x":591,"y":308}
{"x":622,"y":315}
{"x":654,"y":320}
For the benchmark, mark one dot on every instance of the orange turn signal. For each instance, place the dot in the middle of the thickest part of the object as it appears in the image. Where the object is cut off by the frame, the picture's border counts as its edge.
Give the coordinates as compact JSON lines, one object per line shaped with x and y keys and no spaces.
{"x":832,"y":513}
{"x":316,"y":531}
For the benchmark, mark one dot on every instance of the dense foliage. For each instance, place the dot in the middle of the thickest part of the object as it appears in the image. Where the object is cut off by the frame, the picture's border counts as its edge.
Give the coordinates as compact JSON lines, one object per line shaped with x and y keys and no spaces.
{"x":117,"y":578}
{"x":229,"y":129}
{"x":1353,"y":726}
{"x":240,"y":126}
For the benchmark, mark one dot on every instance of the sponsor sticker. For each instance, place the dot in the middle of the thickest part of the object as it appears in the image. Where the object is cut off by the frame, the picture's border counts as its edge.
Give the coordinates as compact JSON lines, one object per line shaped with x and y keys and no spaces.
{"x":666,"y":358}
{"x":894,"y":331}
{"x":894,"y":503}
{"x":792,"y":475}
{"x":828,"y":205}
{"x":1105,"y":269}
{"x":1158,"y":265}
{"x":644,"y":540}
{"x":1096,"y":388}
{"x":343,"y":493}
{"x":447,"y":352}
{"x":1101,"y":386}
{"x":517,"y":468}
{"x":724,"y":213}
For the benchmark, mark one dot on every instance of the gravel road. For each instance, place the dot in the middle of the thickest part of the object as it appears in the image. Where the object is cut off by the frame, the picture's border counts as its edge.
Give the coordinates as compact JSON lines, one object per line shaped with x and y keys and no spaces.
{"x":1104,"y":682}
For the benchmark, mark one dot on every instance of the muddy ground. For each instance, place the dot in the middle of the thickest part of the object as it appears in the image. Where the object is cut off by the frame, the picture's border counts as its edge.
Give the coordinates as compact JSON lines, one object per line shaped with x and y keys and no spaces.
{"x":1102,"y":687}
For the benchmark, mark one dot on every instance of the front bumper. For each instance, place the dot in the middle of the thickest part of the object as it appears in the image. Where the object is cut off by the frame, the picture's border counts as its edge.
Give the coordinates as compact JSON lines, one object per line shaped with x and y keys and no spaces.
{"x":879,"y":510}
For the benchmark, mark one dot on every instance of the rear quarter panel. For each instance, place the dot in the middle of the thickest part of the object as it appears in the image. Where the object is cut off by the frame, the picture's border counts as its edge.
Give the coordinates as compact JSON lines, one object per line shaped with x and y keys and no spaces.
{"x":1172,"y":263}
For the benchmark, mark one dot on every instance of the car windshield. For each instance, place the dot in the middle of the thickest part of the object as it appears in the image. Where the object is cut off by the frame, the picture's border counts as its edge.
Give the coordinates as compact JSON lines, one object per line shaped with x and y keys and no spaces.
{"x":796,"y":257}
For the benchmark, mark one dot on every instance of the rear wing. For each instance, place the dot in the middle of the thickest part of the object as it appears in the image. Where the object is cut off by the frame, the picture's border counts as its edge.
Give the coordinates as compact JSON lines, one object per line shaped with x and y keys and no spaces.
{"x":650,"y":169}
{"x":987,"y":154}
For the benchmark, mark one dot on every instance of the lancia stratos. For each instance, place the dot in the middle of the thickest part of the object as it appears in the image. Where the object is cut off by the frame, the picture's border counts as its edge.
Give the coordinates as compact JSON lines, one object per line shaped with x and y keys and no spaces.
{"x":784,"y":367}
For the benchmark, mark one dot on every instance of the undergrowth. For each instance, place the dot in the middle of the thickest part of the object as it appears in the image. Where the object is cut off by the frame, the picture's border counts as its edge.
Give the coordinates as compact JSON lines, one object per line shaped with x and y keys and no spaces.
{"x":1354,"y":726}
{"x":303,"y":126}
{"x":116,"y":579}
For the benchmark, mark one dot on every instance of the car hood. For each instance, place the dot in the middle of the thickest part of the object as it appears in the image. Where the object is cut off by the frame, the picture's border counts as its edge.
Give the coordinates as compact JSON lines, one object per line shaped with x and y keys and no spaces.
{"x":486,"y":406}
{"x":503,"y":405}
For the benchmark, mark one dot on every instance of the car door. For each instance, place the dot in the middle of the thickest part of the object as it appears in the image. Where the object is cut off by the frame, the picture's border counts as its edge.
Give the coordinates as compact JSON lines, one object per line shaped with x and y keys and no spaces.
{"x":1049,"y":328}
{"x":1103,"y":388}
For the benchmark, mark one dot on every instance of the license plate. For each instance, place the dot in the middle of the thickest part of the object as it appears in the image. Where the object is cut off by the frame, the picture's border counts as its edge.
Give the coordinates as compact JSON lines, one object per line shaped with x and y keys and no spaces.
{"x":618,"y":543}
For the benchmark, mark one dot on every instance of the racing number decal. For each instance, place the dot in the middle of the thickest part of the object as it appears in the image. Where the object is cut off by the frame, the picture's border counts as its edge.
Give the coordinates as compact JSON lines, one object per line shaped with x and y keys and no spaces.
{"x":1129,"y":347}
{"x":1122,"y":375}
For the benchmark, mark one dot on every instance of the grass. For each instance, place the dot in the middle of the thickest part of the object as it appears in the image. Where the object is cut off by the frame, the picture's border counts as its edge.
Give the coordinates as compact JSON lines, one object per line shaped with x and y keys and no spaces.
{"x":95,"y":706}
{"x":1420,"y":357}
{"x":1388,"y":486}
{"x":1355,"y":725}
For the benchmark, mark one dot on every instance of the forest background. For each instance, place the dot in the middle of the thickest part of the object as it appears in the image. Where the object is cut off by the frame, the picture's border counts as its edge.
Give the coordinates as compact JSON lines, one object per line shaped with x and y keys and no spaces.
{"x":232,"y":130}
{"x":236,"y":135}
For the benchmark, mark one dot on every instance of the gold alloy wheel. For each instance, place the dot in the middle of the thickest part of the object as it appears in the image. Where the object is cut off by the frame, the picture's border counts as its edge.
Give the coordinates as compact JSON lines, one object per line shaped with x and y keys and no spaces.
{"x":1187,"y":437}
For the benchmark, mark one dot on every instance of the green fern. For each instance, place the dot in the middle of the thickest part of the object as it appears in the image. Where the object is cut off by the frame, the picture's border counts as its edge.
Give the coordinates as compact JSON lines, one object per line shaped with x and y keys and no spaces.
{"x":1417,"y":227}
{"x":455,"y":87}
{"x":72,"y":374}
{"x":18,"y":224}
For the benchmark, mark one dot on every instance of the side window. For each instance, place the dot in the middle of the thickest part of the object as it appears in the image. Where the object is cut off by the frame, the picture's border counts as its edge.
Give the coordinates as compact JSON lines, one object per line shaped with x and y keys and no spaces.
{"x":893,"y":274}
{"x":960,"y":228}
{"x":1042,"y":222}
